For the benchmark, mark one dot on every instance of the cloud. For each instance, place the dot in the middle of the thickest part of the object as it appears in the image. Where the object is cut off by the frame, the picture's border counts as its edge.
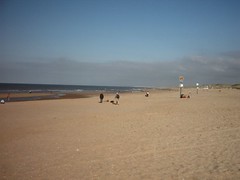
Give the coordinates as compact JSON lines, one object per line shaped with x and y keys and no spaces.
{"x":221,"y":69}
{"x":232,"y":54}
{"x":224,"y":68}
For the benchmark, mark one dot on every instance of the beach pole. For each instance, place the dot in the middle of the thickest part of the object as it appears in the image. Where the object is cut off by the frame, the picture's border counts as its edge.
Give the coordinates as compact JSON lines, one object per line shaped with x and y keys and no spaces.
{"x":181,"y":87}
{"x":197,"y":85}
{"x":181,"y":78}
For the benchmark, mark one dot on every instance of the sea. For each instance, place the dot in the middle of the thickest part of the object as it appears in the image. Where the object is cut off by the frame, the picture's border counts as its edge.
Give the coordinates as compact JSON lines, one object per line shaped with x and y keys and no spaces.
{"x":23,"y":88}
{"x":59,"y":90}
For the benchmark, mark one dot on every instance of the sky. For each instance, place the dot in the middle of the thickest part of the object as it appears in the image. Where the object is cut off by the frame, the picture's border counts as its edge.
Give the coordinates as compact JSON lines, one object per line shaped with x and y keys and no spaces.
{"x":120,"y":42}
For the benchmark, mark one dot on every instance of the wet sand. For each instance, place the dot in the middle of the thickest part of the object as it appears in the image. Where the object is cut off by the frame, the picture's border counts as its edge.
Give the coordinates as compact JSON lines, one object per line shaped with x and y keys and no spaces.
{"x":13,"y":97}
{"x":155,"y":137}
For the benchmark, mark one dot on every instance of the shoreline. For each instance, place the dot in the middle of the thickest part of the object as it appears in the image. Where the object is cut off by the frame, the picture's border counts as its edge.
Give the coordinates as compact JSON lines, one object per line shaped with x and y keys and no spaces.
{"x":18,"y":97}
{"x":38,"y":96}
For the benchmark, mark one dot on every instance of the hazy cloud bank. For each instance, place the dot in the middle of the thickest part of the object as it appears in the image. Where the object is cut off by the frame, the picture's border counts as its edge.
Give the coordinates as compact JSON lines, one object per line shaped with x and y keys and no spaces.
{"x":224,"y":68}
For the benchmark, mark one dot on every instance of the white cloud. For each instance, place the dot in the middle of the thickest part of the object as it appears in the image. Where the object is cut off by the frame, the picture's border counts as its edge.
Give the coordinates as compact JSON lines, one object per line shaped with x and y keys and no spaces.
{"x":224,"y":68}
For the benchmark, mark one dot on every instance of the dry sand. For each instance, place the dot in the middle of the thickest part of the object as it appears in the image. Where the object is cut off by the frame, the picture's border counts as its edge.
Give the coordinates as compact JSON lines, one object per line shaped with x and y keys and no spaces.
{"x":159,"y":137}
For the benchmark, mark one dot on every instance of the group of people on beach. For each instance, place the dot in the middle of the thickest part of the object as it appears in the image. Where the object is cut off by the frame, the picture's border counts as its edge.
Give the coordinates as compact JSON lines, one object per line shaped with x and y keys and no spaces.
{"x":116,"y":98}
{"x":115,"y":101}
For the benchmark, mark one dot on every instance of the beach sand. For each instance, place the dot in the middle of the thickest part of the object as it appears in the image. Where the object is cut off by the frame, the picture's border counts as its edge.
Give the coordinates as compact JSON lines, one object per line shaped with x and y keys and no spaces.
{"x":155,"y":137}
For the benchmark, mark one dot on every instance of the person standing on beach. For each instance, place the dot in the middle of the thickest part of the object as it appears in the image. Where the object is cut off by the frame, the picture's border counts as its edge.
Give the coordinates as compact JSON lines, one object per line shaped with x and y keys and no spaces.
{"x":117,"y":97}
{"x":101,"y":97}
{"x":8,"y":97}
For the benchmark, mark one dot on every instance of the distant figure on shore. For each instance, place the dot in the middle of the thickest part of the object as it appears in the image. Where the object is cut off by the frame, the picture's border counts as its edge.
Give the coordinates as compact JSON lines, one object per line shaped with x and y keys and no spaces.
{"x":101,"y":98}
{"x":8,"y":97}
{"x":147,"y":94}
{"x":117,"y":97}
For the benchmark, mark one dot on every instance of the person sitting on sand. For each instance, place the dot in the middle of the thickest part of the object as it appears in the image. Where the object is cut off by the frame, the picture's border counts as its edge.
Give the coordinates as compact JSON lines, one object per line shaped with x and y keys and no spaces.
{"x":184,"y":96}
{"x":147,"y":94}
{"x":101,"y":98}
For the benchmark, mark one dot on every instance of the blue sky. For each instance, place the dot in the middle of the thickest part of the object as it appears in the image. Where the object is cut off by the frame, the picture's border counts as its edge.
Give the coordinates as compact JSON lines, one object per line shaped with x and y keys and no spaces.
{"x":120,"y":42}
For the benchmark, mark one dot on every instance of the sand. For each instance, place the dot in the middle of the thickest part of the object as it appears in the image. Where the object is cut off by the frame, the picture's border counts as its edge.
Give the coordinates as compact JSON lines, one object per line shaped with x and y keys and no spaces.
{"x":156,"y":137}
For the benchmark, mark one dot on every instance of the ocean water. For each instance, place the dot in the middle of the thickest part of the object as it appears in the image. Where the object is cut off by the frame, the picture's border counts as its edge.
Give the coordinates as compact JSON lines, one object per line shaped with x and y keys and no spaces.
{"x":22,"y":88}
{"x":56,"y":91}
